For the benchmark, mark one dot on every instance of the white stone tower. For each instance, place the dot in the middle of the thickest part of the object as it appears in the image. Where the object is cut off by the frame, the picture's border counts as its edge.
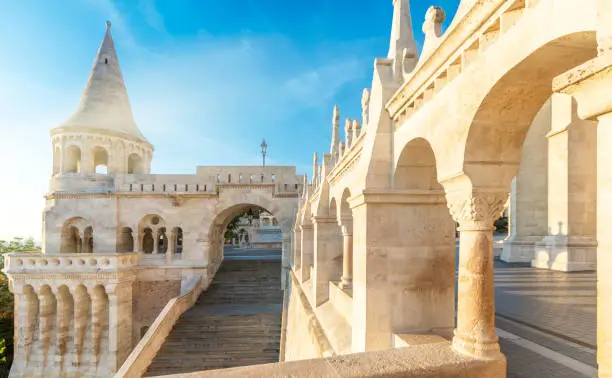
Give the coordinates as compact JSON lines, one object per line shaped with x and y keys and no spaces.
{"x":101,"y":136}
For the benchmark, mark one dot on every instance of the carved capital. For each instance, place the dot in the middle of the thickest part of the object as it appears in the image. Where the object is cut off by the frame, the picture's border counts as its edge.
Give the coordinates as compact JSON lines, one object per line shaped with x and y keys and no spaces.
{"x":476,"y":210}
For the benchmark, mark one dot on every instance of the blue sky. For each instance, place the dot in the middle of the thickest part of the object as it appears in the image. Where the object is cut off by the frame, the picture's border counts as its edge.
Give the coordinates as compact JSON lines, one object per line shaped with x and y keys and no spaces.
{"x":208,"y":79}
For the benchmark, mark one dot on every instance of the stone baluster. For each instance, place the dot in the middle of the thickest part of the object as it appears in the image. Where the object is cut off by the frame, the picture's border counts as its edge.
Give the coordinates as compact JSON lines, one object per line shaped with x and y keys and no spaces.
{"x":65,"y":309}
{"x":47,"y":320}
{"x":82,"y":315}
{"x":346,"y":281}
{"x":99,"y":311}
{"x":26,"y":320}
{"x":476,"y":212}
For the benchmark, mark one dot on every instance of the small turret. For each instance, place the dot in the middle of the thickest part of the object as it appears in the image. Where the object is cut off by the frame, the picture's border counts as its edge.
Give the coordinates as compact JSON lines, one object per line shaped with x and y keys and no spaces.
{"x":348,"y":133}
{"x":402,"y":47}
{"x":335,"y":137}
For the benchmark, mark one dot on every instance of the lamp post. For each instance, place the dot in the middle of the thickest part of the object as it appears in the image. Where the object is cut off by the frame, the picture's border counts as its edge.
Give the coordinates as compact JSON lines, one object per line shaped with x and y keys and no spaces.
{"x":264,"y":148}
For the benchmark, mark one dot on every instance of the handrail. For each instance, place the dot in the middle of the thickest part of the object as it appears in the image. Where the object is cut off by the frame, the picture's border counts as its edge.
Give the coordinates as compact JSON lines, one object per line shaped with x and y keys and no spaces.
{"x":145,"y":351}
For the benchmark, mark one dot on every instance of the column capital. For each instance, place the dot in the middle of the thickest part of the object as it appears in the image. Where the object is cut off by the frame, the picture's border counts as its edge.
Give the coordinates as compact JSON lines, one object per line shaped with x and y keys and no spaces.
{"x":319,"y":219}
{"x":476,"y":210}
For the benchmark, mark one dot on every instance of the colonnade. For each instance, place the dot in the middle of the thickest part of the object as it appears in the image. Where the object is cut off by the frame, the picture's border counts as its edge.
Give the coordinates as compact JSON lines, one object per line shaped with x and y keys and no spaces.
{"x":84,"y":327}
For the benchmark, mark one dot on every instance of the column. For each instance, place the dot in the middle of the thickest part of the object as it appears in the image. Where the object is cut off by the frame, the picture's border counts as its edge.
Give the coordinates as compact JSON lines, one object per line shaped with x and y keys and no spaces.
{"x":529,"y":200}
{"x":137,"y":241}
{"x":346,"y":282}
{"x":571,"y":243}
{"x":307,"y":250}
{"x":47,"y":326}
{"x":119,"y":323}
{"x":476,"y":211}
{"x":171,"y":246}
{"x":590,"y":85}
{"x":155,"y":241}
{"x":327,"y":246}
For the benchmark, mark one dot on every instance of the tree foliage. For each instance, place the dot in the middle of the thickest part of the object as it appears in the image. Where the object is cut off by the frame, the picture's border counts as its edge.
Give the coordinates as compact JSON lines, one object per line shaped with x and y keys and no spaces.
{"x":7,"y":304}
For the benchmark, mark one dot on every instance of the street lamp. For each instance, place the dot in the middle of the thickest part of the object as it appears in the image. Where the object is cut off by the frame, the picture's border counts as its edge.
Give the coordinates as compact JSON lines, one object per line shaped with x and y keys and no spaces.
{"x":264,"y":148}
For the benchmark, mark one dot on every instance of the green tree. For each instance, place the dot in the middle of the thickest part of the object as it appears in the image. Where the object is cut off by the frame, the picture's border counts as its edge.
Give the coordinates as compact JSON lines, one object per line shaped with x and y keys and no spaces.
{"x":7,"y":303}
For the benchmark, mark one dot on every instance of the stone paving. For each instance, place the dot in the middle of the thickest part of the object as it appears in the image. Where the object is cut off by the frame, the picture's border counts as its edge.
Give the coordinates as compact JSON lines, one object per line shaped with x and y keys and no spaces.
{"x":556,"y":310}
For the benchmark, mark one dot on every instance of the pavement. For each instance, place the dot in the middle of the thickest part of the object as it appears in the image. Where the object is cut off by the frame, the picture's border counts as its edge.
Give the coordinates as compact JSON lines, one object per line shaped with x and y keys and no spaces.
{"x":546,"y":320}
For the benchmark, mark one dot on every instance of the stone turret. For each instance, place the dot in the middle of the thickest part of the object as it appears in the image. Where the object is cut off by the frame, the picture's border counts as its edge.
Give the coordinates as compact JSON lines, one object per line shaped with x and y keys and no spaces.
{"x":402,"y":47}
{"x":315,"y":169}
{"x":348,"y":133}
{"x":101,"y":135}
{"x":356,"y":129}
{"x":335,"y":138}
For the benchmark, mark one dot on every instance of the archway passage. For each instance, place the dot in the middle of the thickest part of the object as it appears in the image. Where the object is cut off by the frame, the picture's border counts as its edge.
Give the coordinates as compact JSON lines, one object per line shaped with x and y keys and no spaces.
{"x":244,"y":297}
{"x":423,"y":269}
{"x":249,"y":232}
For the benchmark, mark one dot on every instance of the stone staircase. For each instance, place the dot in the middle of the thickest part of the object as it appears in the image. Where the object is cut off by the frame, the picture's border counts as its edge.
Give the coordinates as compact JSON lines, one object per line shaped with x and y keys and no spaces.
{"x":236,"y":322}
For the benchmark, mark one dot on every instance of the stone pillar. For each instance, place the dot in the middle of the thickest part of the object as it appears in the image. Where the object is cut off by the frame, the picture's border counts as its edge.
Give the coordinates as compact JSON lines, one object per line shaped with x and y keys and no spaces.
{"x":47,"y":323}
{"x":119,"y":323}
{"x":327,"y":247}
{"x":307,"y":250}
{"x":571,"y":243}
{"x":171,"y":247}
{"x":297,"y":258}
{"x":286,"y":258}
{"x":590,"y":85}
{"x":346,"y":282}
{"x":137,"y":241}
{"x":155,"y":242}
{"x":529,"y":200}
{"x":476,"y":211}
{"x":403,"y":266}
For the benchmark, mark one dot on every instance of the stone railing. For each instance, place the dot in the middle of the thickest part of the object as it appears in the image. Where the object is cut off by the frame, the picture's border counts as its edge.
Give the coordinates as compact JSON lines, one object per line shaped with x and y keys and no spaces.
{"x":486,"y":20}
{"x":145,"y":351}
{"x":270,"y":188}
{"x":423,"y":361}
{"x":36,"y":262}
{"x":166,"y":188}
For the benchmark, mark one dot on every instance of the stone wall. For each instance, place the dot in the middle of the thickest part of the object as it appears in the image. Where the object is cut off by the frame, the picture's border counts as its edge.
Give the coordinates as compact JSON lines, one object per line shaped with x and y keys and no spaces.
{"x":150,"y":297}
{"x":305,"y":338}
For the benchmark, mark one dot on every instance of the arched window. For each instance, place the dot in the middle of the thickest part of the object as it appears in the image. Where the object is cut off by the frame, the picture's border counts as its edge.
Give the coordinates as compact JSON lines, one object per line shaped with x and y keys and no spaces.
{"x":100,"y":161}
{"x":147,"y":241}
{"x":126,"y":240}
{"x":177,"y":234}
{"x":135,"y":164}
{"x":72,"y":160}
{"x":162,"y":241}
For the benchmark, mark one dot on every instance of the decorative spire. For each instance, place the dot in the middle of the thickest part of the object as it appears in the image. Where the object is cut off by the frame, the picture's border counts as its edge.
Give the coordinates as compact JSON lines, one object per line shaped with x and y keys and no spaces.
{"x":105,"y":105}
{"x":356,"y":129}
{"x":341,"y":149}
{"x":402,"y":36}
{"x":402,"y":47}
{"x":315,"y":168}
{"x":348,"y":133}
{"x":335,"y":138}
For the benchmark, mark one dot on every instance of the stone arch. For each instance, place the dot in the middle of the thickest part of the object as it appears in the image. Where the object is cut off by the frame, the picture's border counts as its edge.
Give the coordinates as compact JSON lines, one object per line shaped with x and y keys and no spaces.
{"x":73,"y":235}
{"x":125,"y":242}
{"x":500,"y":123}
{"x":135,"y":164}
{"x":415,"y":168}
{"x":149,"y":228}
{"x":230,"y":204}
{"x":100,"y":160}
{"x":73,"y":159}
{"x":420,"y":249}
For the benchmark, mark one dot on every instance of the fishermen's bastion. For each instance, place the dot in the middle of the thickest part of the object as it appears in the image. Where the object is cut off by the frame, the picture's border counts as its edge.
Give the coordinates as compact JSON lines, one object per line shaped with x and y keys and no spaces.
{"x":512,"y":97}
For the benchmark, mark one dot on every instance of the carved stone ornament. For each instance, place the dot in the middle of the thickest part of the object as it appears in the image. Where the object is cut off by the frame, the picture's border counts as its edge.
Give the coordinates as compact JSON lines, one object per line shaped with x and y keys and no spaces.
{"x":476,"y":209}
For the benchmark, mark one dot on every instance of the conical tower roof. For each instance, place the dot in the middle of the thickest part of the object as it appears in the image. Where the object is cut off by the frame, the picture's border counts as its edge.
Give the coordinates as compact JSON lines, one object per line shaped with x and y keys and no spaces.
{"x":105,"y":106}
